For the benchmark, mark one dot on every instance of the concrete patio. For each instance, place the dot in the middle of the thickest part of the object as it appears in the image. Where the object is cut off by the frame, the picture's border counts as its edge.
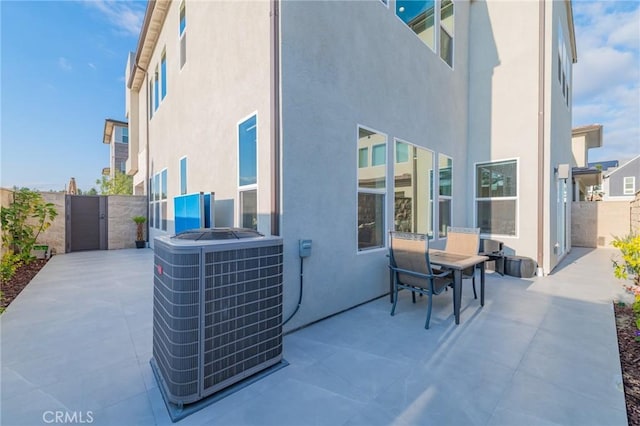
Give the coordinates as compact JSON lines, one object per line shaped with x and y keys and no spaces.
{"x":542,"y":351}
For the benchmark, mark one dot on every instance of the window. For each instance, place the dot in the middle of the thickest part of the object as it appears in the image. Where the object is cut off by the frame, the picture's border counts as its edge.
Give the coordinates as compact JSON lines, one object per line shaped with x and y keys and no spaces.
{"x":445,"y":166}
{"x":156,"y":98}
{"x":150,"y":100}
{"x":363,"y":157}
{"x":446,"y":31}
{"x":158,"y":201}
{"x":248,"y":172}
{"x":629,"y":185}
{"x":564,"y":66}
{"x":163,"y":74}
{"x":379,"y":155}
{"x":402,"y":152}
{"x":418,"y":15}
{"x":182,"y":34}
{"x":183,"y":175}
{"x":163,"y":199}
{"x":371,"y":190}
{"x":413,"y":189}
{"x":121,"y":134}
{"x":497,"y":197}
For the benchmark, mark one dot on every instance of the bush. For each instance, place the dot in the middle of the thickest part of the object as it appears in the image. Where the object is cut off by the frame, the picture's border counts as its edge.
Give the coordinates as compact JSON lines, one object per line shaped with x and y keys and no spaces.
{"x":8,"y":265}
{"x":24,"y":220}
{"x":629,"y":247}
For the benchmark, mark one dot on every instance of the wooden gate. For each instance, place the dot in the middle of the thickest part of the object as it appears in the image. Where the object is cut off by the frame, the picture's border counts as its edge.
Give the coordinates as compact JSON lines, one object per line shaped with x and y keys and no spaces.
{"x":86,"y":223}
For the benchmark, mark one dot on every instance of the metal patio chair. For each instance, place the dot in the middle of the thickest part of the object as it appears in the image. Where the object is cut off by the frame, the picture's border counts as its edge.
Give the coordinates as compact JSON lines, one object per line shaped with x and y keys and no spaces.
{"x":464,"y":241}
{"x":411,"y":269}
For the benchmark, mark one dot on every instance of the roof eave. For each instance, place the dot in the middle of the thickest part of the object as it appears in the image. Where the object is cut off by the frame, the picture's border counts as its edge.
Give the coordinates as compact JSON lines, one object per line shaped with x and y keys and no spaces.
{"x":572,"y":32}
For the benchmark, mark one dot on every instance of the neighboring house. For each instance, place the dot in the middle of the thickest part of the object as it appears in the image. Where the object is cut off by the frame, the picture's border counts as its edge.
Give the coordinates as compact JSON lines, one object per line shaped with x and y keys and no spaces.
{"x":338,"y":121}
{"x":622,"y":183}
{"x":585,"y":175}
{"x":116,"y":135}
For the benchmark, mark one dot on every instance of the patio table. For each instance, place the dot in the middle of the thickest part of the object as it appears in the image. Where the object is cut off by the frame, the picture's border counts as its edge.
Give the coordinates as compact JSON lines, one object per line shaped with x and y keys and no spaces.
{"x":457,"y":263}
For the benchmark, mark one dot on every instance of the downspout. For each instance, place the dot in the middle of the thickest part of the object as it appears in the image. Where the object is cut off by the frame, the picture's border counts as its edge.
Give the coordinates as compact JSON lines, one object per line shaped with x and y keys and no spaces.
{"x":541,"y":115}
{"x":146,"y":150}
{"x":274,"y":14}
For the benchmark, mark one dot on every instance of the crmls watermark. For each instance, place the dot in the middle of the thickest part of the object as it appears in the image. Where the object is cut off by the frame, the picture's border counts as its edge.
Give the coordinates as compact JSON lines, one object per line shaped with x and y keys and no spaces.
{"x":68,"y":417}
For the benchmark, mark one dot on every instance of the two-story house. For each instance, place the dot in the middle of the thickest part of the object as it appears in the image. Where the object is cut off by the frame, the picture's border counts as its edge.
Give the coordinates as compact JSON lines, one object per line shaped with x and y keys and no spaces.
{"x":116,"y":135}
{"x":338,"y":121}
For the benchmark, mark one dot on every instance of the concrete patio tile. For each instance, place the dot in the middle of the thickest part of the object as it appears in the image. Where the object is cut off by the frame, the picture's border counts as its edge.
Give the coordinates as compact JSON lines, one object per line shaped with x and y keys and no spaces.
{"x":372,"y":414}
{"x":538,"y":397}
{"x":541,"y":351}
{"x":135,"y":410}
{"x":493,"y":338}
{"x":293,"y":403}
{"x":507,"y":417}
{"x":28,"y":409}
{"x":99,"y":389}
{"x":575,"y":365}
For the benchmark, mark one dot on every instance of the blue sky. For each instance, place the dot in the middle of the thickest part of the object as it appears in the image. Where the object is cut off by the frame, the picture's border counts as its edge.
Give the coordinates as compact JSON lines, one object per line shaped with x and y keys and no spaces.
{"x":63,"y":73}
{"x":63,"y":68}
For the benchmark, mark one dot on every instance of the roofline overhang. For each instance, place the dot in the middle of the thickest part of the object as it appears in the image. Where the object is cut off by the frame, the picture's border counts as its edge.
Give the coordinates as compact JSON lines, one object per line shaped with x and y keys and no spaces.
{"x":622,"y":166}
{"x":109,"y":124}
{"x":592,"y":134}
{"x":152,"y":24}
{"x":572,"y":31}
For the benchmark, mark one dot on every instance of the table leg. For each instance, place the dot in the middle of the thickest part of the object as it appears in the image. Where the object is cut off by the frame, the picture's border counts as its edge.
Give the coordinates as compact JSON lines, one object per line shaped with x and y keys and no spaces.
{"x":391,"y":285}
{"x":457,"y":293}
{"x":482,"y":285}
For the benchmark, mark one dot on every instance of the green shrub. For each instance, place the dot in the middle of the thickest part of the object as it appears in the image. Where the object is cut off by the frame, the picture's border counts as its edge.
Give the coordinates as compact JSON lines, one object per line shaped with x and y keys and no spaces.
{"x":8,"y":265}
{"x":629,"y":247}
{"x":24,"y":220}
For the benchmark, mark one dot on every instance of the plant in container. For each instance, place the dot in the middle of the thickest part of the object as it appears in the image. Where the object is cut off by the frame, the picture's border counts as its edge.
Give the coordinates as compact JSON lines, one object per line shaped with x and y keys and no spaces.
{"x":140,"y":241}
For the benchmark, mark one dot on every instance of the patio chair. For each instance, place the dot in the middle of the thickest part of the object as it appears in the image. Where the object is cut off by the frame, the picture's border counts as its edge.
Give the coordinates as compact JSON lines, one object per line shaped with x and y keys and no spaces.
{"x":411,"y":269}
{"x":464,"y":241}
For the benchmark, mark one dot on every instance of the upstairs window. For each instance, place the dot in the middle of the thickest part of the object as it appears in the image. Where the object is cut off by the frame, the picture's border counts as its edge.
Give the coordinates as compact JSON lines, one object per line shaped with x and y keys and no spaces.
{"x":182,"y":34}
{"x":163,"y":74}
{"x":156,"y":98}
{"x":446,"y":31}
{"x":419,"y":16}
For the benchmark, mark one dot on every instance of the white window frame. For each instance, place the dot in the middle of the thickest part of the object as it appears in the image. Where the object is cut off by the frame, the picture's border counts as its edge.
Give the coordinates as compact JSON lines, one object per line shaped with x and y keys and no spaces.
{"x":516,"y":198}
{"x":375,"y":191}
{"x":253,"y":186}
{"x":153,"y":202}
{"x":436,"y":24}
{"x":625,"y":181}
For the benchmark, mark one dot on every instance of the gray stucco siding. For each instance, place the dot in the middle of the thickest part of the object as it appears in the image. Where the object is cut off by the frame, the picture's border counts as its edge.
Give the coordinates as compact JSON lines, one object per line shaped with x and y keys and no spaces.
{"x":332,"y":81}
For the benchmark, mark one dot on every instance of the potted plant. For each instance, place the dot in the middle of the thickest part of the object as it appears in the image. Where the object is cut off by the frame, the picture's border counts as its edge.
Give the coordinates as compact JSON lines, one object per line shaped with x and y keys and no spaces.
{"x":140,"y":220}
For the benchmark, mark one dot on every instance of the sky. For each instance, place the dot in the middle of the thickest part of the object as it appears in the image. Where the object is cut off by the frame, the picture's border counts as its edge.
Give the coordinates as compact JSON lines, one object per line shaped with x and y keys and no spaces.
{"x":62,"y":73}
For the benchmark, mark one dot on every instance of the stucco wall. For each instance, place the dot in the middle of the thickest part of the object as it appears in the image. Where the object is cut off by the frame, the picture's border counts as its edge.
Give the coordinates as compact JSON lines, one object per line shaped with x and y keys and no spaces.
{"x":595,"y":224}
{"x":224,"y":81}
{"x":121,"y":229}
{"x":371,"y":70}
